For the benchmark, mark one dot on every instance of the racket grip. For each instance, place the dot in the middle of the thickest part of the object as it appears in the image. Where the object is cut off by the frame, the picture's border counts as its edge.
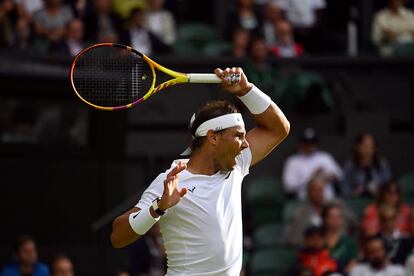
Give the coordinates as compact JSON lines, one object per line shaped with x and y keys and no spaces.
{"x":203,"y":78}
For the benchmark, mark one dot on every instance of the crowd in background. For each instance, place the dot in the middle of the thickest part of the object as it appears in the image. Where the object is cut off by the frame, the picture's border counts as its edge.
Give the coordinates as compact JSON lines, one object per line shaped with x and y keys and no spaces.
{"x":288,"y":28}
{"x":328,"y":233}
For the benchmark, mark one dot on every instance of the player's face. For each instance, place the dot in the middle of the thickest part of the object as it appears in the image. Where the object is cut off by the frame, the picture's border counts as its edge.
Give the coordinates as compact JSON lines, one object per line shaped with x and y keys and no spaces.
{"x":231,"y":142}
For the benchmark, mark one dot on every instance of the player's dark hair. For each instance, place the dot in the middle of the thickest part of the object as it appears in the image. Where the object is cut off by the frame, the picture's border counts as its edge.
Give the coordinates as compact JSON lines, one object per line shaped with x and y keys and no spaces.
{"x":20,"y":241}
{"x":210,"y":110}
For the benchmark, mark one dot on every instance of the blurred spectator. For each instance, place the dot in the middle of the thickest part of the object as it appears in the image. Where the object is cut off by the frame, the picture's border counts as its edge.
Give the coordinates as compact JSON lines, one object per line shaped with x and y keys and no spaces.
{"x":21,"y":127}
{"x":123,"y":273}
{"x":73,"y":42}
{"x":398,"y":246}
{"x":240,"y":43}
{"x":62,"y":266}
{"x":26,"y":260}
{"x":160,"y":22}
{"x":285,"y":45}
{"x":50,"y":22}
{"x":258,"y":68}
{"x":23,"y":35}
{"x":309,"y":213}
{"x":307,"y":163}
{"x":305,"y":16}
{"x":389,"y":195}
{"x":79,"y":8}
{"x":8,"y":19}
{"x":392,"y":26}
{"x":313,"y":254}
{"x":243,"y":16}
{"x":28,"y":7}
{"x":341,"y":246}
{"x":272,"y":14}
{"x":366,"y":171}
{"x":409,"y":266}
{"x":124,"y":8}
{"x":148,"y":254}
{"x":141,"y":38}
{"x":377,"y":262}
{"x":101,"y":23}
{"x":406,"y":244}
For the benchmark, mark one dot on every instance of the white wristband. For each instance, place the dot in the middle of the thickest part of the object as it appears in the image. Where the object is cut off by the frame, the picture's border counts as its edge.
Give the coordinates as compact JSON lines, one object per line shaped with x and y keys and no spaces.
{"x":256,"y":101}
{"x":142,"y":221}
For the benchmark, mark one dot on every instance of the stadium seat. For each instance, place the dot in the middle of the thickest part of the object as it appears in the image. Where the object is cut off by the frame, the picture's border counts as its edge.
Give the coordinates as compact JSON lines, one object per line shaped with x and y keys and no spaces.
{"x":267,"y":236}
{"x":192,"y":38}
{"x":265,"y":191}
{"x":289,"y":209}
{"x":217,"y":48}
{"x":358,"y":204}
{"x":261,"y":215}
{"x":272,"y":262}
{"x":407,"y":184}
{"x":404,"y":49}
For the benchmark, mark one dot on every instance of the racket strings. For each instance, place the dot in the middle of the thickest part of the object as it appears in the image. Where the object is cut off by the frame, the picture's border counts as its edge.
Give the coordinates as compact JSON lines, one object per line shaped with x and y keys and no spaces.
{"x":111,"y":76}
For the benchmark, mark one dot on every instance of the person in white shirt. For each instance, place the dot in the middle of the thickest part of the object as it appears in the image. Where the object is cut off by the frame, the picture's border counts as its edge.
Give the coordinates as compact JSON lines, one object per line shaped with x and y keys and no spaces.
{"x":198,"y":201}
{"x":161,"y":22}
{"x":377,"y":263}
{"x":307,"y":163}
{"x":302,"y":13}
{"x":392,"y":26}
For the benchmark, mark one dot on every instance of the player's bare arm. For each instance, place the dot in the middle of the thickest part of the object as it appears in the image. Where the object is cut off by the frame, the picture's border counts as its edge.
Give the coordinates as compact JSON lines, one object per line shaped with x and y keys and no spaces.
{"x":272,"y":126}
{"x":122,"y":232}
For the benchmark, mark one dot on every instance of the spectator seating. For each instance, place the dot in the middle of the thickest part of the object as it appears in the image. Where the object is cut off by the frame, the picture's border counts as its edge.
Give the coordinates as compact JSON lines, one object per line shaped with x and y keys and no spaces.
{"x":265,"y":200}
{"x":271,"y":262}
{"x":407,"y":187}
{"x":358,"y":205}
{"x":267,"y":236}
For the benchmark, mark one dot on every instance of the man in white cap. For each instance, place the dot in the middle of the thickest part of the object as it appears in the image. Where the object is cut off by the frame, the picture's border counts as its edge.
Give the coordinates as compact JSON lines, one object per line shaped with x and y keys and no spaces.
{"x":198,"y":200}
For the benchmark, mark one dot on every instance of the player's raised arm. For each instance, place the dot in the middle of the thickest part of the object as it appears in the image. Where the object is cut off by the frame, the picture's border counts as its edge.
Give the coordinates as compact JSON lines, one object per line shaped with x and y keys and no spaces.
{"x":271,"y":124}
{"x":131,"y":225}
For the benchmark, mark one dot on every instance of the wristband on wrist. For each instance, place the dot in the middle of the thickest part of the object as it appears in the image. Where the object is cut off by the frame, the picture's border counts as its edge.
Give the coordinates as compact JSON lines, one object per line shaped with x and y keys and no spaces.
{"x":256,"y":101}
{"x":142,"y":221}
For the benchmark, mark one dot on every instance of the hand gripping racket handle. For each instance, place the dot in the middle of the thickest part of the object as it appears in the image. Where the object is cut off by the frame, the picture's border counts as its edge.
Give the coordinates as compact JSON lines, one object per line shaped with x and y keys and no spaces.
{"x":203,"y":78}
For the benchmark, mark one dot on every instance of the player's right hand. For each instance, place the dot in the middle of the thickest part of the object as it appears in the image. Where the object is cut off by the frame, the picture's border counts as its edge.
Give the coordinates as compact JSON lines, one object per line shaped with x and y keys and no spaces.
{"x":172,"y":194}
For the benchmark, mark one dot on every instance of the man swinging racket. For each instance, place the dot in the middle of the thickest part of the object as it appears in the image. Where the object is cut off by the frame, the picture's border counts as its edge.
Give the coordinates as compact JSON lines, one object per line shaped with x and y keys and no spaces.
{"x":197,"y":202}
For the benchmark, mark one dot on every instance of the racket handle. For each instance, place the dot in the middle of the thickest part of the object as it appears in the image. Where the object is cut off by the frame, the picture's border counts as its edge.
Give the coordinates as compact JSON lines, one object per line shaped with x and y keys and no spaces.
{"x":203,"y":78}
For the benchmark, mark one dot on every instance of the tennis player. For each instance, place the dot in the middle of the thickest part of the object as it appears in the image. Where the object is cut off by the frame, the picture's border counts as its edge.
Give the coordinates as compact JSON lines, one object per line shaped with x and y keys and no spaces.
{"x":197,"y":202}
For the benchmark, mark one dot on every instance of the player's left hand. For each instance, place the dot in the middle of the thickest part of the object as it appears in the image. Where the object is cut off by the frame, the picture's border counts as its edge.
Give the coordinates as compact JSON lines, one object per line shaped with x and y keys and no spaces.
{"x":238,"y":88}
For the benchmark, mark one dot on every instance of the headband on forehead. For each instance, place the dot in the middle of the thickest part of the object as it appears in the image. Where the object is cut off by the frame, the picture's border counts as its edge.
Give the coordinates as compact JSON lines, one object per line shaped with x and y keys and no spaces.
{"x":216,"y":124}
{"x":220,"y":123}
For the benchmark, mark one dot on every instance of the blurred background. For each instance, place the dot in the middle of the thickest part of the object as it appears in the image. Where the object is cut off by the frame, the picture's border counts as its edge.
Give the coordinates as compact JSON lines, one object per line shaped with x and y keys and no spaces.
{"x":342,"y":71}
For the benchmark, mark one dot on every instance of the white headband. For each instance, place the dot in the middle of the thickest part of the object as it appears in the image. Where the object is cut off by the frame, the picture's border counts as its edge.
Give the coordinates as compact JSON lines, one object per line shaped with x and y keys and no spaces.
{"x":220,"y":123}
{"x":216,"y":124}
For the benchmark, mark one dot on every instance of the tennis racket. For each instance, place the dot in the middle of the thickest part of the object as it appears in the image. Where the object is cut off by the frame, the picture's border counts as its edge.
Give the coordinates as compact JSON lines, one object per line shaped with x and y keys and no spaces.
{"x":111,"y":76}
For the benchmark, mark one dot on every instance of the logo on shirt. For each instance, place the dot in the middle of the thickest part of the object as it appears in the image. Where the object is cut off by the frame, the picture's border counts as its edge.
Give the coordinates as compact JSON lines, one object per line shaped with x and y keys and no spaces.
{"x":192,"y":189}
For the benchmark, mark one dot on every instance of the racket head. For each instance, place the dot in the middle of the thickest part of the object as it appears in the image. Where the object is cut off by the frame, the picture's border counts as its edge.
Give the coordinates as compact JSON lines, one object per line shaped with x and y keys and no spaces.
{"x":110,"y":76}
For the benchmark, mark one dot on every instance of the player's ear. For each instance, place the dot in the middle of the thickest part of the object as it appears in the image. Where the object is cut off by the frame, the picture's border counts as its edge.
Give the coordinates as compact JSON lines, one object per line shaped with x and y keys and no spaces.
{"x":212,"y":137}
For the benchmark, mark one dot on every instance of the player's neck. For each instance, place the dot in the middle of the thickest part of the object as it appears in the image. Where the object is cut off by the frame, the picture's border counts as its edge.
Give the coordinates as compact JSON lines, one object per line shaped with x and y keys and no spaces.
{"x":201,"y":163}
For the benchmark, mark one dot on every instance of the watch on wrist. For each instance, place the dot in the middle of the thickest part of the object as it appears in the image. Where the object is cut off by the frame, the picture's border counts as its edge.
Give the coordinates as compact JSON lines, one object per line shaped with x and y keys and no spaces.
{"x":156,"y":208}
